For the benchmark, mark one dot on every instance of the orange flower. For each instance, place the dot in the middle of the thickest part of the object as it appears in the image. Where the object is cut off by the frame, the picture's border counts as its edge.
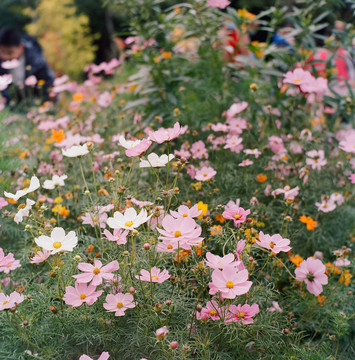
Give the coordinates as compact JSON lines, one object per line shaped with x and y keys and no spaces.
{"x":296,"y":260}
{"x":63,"y":211}
{"x":220,"y":218}
{"x":260,"y":178}
{"x":321,"y":299}
{"x":332,"y":269}
{"x":345,"y":278}
{"x":24,"y":154}
{"x":89,"y":249}
{"x":182,"y":256}
{"x":58,"y":136}
{"x":216,"y":230}
{"x":310,"y":223}
{"x":166,"y":54}
{"x":78,"y":96}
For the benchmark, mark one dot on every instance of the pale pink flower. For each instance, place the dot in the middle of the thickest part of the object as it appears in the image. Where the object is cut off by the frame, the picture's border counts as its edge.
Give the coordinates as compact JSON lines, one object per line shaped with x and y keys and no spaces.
{"x":326,"y":205}
{"x":104,"y":356}
{"x":104,"y":99}
{"x":8,"y":262}
{"x":219,"y":127}
{"x":242,"y":313}
{"x":352,"y":178}
{"x":99,"y":220}
{"x":312,"y":272}
{"x":238,"y":215}
{"x":342,"y":262}
{"x":31,"y":81}
{"x":287,"y":191}
{"x":275,"y":307}
{"x":246,"y":162}
{"x":96,"y":272}
{"x":240,"y":247}
{"x":205,"y":173}
{"x":276,"y":145}
{"x":118,"y":235}
{"x":298,"y":77}
{"x":221,"y":4}
{"x":184,"y":211}
{"x":337,"y":198}
{"x":161,"y":332}
{"x":234,"y":143}
{"x":155,"y":275}
{"x":40,"y":257}
{"x":254,"y":152}
{"x":3,"y":203}
{"x":162,"y":134}
{"x":138,"y":149}
{"x":5,"y":81}
{"x":347,"y":144}
{"x":10,"y":301}
{"x":82,"y":293}
{"x":229,"y":282}
{"x":316,"y":159}
{"x":119,"y":303}
{"x":198,"y":150}
{"x":316,"y":85}
{"x":235,"y":109}
{"x":217,"y":262}
{"x":232,"y":204}
{"x":275,"y":243}
{"x":10,"y":64}
{"x":237,"y":125}
{"x":211,"y":311}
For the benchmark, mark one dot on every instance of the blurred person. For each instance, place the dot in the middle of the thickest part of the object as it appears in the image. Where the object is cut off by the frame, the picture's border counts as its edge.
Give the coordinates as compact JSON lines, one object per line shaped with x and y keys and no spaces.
{"x":22,"y":57}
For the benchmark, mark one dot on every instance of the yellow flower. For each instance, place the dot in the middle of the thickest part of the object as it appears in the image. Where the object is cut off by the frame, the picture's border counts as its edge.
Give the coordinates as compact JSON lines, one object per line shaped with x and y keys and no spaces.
{"x":245,"y":14}
{"x":58,"y":200}
{"x":203,"y":207}
{"x":197,"y":186}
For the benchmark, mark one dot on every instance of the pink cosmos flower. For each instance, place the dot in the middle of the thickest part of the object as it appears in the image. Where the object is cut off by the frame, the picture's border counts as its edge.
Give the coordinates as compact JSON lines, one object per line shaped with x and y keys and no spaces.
{"x":238,"y":215}
{"x":276,"y":145}
{"x":217,"y":262}
{"x":240,"y":247}
{"x":229,"y":282}
{"x":8,"y":262}
{"x":242,"y":313}
{"x":104,"y":99}
{"x":327,"y":205}
{"x":40,"y":257}
{"x":275,"y":307}
{"x":198,"y":150}
{"x":104,"y":356}
{"x":95,"y":220}
{"x":347,"y":144}
{"x":10,"y":64}
{"x":287,"y":191}
{"x":211,"y":311}
{"x":237,"y":125}
{"x":161,"y":332}
{"x":162,"y":135}
{"x":337,"y":198}
{"x":119,"y":235}
{"x":82,"y":293}
{"x":184,"y":211}
{"x":352,"y":178}
{"x":96,"y":272}
{"x":234,"y":143}
{"x":155,"y":275}
{"x":315,"y":85}
{"x":235,"y":109}
{"x":316,"y":159}
{"x":254,"y":152}
{"x":342,"y":262}
{"x":10,"y":301}
{"x":221,"y":4}
{"x":298,"y":77}
{"x":119,"y":303}
{"x":205,"y":173}
{"x":184,"y":232}
{"x":312,"y":272}
{"x":138,"y":149}
{"x":5,"y":81}
{"x":246,"y":162}
{"x":3,"y":203}
{"x":31,"y":81}
{"x":219,"y":127}
{"x":275,"y":243}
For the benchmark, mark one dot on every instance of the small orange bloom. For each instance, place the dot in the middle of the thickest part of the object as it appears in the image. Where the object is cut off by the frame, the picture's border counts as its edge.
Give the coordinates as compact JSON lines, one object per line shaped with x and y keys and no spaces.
{"x":220,"y":218}
{"x":310,"y":223}
{"x":78,"y":96}
{"x":58,"y":136}
{"x":321,"y":299}
{"x":89,"y":249}
{"x":296,"y":260}
{"x":345,"y":278}
{"x":216,"y":230}
{"x":260,"y":178}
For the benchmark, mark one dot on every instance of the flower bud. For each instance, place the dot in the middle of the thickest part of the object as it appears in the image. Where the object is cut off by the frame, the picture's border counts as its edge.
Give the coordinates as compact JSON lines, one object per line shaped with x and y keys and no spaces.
{"x":174,"y":344}
{"x":53,"y":309}
{"x":131,"y":290}
{"x":146,"y":246}
{"x":77,"y":257}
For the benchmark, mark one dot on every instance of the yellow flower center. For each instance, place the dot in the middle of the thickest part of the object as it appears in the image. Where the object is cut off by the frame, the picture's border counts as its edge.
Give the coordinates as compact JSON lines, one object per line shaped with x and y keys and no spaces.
{"x":83,"y":296}
{"x":57,"y":245}
{"x":297,"y":80}
{"x":5,"y":302}
{"x":237,"y":216}
{"x":169,"y":247}
{"x":119,"y":305}
{"x":95,"y":219}
{"x":177,"y":233}
{"x":229,"y":284}
{"x":204,"y":174}
{"x":155,"y":277}
{"x":213,"y":312}
{"x":96,"y":271}
{"x":128,"y":223}
{"x":185,"y":215}
{"x":272,"y":245}
{"x":240,"y":314}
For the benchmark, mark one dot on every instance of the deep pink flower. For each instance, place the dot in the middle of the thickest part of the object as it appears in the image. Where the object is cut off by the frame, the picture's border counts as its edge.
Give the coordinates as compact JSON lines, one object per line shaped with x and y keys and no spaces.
{"x":138,"y":149}
{"x":119,"y":235}
{"x":242,"y":313}
{"x":275,"y":243}
{"x":104,"y":356}
{"x":81,"y":294}
{"x":119,"y":303}
{"x":96,"y":272}
{"x":8,"y":302}
{"x":230,"y":282}
{"x":238,"y":215}
{"x":217,"y":262}
{"x":155,"y":275}
{"x":162,"y":134}
{"x":312,"y":272}
{"x":205,"y":173}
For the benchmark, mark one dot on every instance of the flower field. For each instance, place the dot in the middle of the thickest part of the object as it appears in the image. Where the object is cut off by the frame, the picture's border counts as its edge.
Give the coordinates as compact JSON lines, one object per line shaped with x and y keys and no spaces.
{"x":184,"y":201}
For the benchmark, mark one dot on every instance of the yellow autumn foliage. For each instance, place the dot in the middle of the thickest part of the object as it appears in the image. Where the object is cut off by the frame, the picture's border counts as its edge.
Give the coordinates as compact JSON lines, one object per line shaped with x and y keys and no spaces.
{"x":64,"y":35}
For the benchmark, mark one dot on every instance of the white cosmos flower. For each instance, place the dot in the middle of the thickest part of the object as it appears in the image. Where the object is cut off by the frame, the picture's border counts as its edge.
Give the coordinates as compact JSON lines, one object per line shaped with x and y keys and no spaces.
{"x":58,"y":241}
{"x":56,"y":181}
{"x":155,"y":160}
{"x":34,"y":185}
{"x":128,"y":144}
{"x":129,"y":220}
{"x":76,"y":150}
{"x":24,"y":211}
